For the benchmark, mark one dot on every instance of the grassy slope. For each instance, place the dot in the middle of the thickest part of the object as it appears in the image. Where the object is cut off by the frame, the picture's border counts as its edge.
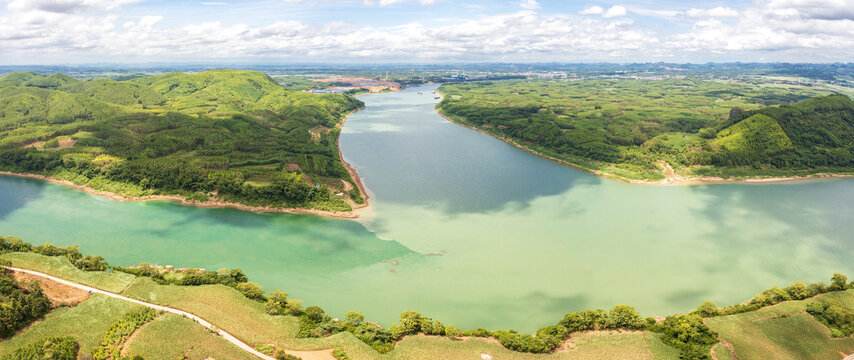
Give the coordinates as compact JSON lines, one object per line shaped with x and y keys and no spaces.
{"x":783,"y":331}
{"x":87,"y":322}
{"x":171,"y":337}
{"x":247,"y":320}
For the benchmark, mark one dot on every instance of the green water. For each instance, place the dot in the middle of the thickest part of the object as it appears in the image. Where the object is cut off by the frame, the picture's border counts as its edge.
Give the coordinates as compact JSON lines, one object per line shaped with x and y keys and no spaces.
{"x":475,"y":232}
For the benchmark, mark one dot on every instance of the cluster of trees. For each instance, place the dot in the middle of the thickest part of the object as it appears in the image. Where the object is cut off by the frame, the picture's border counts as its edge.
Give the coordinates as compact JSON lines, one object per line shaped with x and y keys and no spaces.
{"x":837,"y":318}
{"x":229,"y":133}
{"x":111,"y":344}
{"x":87,"y":262}
{"x":20,"y":304}
{"x":799,"y":290}
{"x":53,"y":348}
{"x":194,"y":277}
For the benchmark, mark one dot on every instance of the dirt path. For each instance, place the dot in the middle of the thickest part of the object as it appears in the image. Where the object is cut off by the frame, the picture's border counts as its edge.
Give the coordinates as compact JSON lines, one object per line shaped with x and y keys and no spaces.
{"x":313,"y":355}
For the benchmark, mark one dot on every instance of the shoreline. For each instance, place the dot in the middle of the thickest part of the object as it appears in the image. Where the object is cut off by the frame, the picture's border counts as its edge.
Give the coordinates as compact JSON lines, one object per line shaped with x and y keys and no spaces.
{"x":351,"y":170}
{"x":669,"y":181}
{"x":352,"y":214}
{"x":184,"y":201}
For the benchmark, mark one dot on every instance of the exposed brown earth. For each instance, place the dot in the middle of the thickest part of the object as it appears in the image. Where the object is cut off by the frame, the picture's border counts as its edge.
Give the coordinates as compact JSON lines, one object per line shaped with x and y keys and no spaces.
{"x":58,"y":294}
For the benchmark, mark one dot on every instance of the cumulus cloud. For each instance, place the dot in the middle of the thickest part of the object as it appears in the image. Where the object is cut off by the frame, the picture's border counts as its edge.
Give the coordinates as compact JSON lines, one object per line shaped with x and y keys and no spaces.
{"x":91,"y":29}
{"x":530,"y":4}
{"x":612,"y":12}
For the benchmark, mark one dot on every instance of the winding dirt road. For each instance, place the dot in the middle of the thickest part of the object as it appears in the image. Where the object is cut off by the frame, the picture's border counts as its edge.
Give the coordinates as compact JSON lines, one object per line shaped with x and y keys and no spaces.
{"x":320,"y":354}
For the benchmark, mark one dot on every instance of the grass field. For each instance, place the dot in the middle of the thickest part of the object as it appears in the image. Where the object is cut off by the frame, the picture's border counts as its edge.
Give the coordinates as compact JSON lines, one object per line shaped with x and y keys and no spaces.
{"x":782,"y":331}
{"x":171,"y":337}
{"x":60,"y":266}
{"x":87,"y":322}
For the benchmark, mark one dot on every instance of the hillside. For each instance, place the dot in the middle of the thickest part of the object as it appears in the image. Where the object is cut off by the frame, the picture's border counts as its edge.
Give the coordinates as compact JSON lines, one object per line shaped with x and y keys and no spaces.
{"x":624,"y":129}
{"x":799,"y":321}
{"x":811,"y":133}
{"x":224,"y":135}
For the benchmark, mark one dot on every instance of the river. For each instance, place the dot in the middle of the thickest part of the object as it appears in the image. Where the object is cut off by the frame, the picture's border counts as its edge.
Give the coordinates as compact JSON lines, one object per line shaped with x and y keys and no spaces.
{"x":469,"y":230}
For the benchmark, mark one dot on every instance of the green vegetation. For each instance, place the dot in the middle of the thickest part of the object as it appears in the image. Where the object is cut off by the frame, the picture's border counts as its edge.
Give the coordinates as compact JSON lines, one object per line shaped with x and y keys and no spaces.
{"x":20,"y":304}
{"x":87,"y":322}
{"x":224,"y":135}
{"x":175,"y":337}
{"x":118,"y":333}
{"x":770,"y":323}
{"x":624,"y":128}
{"x":52,"y":348}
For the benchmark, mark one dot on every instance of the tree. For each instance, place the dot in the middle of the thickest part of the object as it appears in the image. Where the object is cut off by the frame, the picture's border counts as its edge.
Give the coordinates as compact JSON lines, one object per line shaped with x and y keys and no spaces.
{"x":277,"y":303}
{"x":838,"y":282}
{"x":251,"y":290}
{"x":315,"y":314}
{"x":451,"y":331}
{"x":707,"y":309}
{"x":798,"y":290}
{"x":355,"y":318}
{"x":624,"y":316}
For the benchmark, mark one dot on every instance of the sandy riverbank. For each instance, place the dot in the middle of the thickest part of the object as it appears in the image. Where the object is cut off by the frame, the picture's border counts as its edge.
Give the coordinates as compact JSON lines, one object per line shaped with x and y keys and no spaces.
{"x":350,"y":169}
{"x":672,"y":178}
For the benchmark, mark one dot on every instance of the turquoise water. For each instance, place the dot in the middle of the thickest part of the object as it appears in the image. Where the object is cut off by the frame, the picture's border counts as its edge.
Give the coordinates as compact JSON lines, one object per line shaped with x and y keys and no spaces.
{"x":472,"y":231}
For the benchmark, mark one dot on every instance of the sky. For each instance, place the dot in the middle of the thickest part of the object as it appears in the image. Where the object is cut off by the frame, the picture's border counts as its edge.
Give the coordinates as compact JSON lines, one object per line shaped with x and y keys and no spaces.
{"x":424,"y":31}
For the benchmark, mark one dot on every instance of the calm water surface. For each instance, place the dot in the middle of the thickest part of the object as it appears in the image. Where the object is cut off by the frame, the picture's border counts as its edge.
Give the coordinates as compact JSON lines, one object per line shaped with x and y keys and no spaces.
{"x":472,"y":231}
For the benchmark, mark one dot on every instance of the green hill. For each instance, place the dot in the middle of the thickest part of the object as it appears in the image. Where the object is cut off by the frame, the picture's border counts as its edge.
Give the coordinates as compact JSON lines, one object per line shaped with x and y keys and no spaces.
{"x":232,"y":135}
{"x":810,"y":134}
{"x":625,"y":128}
{"x":757,"y":133}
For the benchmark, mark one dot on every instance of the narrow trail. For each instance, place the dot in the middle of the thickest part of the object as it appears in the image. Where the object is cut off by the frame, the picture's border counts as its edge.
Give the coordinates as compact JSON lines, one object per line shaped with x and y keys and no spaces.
{"x":320,"y":354}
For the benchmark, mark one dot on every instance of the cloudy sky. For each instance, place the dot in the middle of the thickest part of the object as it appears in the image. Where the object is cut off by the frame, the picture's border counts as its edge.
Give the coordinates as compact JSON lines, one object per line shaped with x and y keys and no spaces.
{"x":424,"y":31}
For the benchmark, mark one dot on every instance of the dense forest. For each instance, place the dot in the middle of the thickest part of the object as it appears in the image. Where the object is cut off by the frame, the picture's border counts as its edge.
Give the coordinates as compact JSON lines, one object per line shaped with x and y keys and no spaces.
{"x":20,"y":304}
{"x":229,"y":135}
{"x":624,"y":128}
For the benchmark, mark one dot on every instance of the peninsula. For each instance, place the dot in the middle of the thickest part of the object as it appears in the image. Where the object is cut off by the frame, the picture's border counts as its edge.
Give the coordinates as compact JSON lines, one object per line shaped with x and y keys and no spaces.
{"x":221,"y":138}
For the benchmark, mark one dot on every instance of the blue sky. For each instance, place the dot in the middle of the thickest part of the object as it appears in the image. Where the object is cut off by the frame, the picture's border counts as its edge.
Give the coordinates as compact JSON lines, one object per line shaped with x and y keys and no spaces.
{"x":424,"y":31}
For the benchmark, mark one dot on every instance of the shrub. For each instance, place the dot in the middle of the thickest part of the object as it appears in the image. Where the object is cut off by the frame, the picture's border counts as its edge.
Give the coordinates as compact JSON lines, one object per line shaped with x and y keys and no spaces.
{"x":282,"y":355}
{"x":52,"y":348}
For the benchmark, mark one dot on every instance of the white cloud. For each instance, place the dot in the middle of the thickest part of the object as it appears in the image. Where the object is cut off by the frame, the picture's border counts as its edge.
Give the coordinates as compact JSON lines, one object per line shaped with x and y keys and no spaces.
{"x":592,"y":10}
{"x":65,"y":6}
{"x":717,"y":12}
{"x":820,"y":9}
{"x":612,"y":12}
{"x":42,"y":31}
{"x":530,"y":4}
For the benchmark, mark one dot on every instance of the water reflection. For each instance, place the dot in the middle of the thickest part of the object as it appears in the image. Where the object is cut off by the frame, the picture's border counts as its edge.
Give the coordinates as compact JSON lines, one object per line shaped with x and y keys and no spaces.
{"x":427,"y":161}
{"x":17,"y":192}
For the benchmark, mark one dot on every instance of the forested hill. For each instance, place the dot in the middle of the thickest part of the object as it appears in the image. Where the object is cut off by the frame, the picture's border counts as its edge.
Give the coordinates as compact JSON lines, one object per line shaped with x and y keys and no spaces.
{"x":812,"y":133}
{"x":625,"y":128}
{"x":232,"y":135}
